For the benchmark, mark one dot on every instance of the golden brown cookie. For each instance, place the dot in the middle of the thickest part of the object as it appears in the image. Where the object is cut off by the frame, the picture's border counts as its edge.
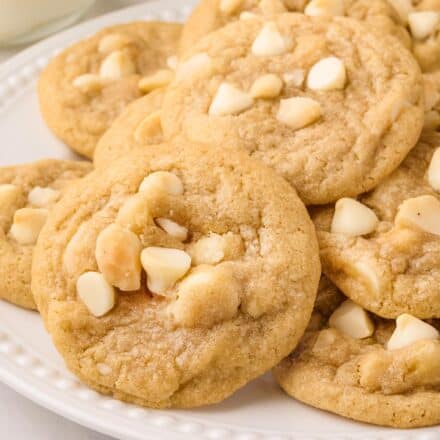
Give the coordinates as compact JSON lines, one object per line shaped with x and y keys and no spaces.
{"x":85,"y":88}
{"x":27,"y":193}
{"x":366,"y":368}
{"x":136,"y":127}
{"x":383,"y":250}
{"x":330,"y":106}
{"x":178,"y":274}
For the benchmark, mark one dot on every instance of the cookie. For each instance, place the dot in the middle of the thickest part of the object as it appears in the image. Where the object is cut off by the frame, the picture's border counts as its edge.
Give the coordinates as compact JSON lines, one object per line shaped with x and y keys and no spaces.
{"x":332,"y":107}
{"x":366,"y":368}
{"x":85,"y":88}
{"x":432,"y":101}
{"x":27,"y":193}
{"x":176,"y":275}
{"x":383,"y":250}
{"x":210,"y":15}
{"x":136,"y":127}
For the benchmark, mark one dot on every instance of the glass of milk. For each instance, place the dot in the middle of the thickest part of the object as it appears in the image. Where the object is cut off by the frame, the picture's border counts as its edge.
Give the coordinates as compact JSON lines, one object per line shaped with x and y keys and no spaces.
{"x":23,"y":21}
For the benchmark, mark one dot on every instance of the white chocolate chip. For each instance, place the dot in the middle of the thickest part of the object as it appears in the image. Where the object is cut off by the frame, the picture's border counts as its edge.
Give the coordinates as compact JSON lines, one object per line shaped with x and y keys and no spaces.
{"x":208,"y":250}
{"x":295,"y":77}
{"x":422,"y":212}
{"x":150,"y":126}
{"x":173,"y":62}
{"x":207,"y":296}
{"x":229,"y":101}
{"x":353,"y":218}
{"x":96,"y":293}
{"x":196,"y":66}
{"x":88,"y":83}
{"x":43,"y":197}
{"x":173,"y":228}
{"x":298,"y":112}
{"x":164,"y":267}
{"x":117,"y":65}
{"x":403,"y":8}
{"x":112,"y":42}
{"x":27,"y":225}
{"x":230,"y":7}
{"x":246,"y":15}
{"x":410,"y":330}
{"x":157,"y":80}
{"x":423,"y":24}
{"x":269,"y":42}
{"x":8,"y":194}
{"x":327,"y":74}
{"x":434,"y":171}
{"x":316,"y":8}
{"x":353,"y":320}
{"x":134,"y":213}
{"x":162,"y":181}
{"x":266,"y":86}
{"x":118,"y":256}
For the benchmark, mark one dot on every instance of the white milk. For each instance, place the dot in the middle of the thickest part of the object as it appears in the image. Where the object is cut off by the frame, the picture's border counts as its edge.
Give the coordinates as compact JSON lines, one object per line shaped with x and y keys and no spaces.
{"x":23,"y":20}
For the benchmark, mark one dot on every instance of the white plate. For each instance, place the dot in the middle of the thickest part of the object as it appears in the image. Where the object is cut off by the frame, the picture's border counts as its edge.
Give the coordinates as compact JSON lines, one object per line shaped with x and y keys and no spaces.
{"x":29,"y":363}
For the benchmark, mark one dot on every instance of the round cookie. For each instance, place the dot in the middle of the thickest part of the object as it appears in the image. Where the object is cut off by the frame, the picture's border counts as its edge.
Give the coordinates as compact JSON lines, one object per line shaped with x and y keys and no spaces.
{"x":27,"y":192}
{"x":332,"y":107}
{"x":383,"y":250}
{"x":374,"y":373}
{"x":137,"y":126}
{"x":210,"y":15}
{"x":229,"y":275}
{"x":85,"y":88}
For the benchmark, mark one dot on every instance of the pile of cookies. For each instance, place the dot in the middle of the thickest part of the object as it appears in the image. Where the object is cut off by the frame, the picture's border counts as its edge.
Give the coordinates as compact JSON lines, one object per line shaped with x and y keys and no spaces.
{"x":232,"y":157}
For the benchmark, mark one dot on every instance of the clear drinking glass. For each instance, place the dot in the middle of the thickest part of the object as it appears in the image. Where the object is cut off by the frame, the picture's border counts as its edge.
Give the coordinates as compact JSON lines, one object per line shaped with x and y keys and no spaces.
{"x":23,"y":21}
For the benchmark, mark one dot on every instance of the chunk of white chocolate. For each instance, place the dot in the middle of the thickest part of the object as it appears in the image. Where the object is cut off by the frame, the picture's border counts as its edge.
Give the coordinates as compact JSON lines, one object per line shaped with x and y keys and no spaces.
{"x":208,"y":250}
{"x":229,"y":101}
{"x":148,"y":127}
{"x":423,"y":24}
{"x":230,"y":7}
{"x":316,"y":8}
{"x":298,"y":112}
{"x":196,"y":66}
{"x":162,"y":181}
{"x":269,"y":42}
{"x":172,"y":228}
{"x":164,"y":267}
{"x":117,"y":65}
{"x":266,"y":86}
{"x":327,"y":74}
{"x":27,"y":225}
{"x":96,"y":293}
{"x":353,"y":218}
{"x":112,"y":42}
{"x":434,"y":171}
{"x":410,"y":330}
{"x":118,"y":257}
{"x":353,"y":320}
{"x":88,"y":83}
{"x":157,"y":80}
{"x":421,"y":212}
{"x":43,"y":197}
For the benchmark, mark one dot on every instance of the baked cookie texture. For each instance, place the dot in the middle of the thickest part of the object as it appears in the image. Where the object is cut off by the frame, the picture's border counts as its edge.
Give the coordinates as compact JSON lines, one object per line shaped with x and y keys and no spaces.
{"x":330,"y":106}
{"x":363,"y":379}
{"x":207,"y":329}
{"x":136,"y":127}
{"x":85,"y":88}
{"x":27,"y":193}
{"x":383,"y":251}
{"x":432,"y":101}
{"x":210,"y":15}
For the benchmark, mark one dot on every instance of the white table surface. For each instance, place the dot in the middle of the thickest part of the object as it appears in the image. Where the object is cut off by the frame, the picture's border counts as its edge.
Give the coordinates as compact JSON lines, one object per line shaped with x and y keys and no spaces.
{"x":21,"y":419}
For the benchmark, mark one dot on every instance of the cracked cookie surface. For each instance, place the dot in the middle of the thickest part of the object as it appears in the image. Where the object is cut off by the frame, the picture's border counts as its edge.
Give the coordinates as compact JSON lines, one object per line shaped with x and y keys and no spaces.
{"x":318,"y":99}
{"x":176,"y":276}
{"x":84,"y":89}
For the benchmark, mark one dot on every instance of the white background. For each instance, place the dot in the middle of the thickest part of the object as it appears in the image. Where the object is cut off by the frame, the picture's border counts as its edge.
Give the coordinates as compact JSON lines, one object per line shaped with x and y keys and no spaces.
{"x":21,"y":419}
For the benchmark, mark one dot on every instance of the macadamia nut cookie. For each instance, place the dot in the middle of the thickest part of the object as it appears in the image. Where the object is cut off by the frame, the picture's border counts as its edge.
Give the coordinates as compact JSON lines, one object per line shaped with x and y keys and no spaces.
{"x":85,"y":88}
{"x":176,"y":275}
{"x":27,"y":194}
{"x":383,"y":250}
{"x":330,"y":106}
{"x":211,"y":15}
{"x":136,"y":127}
{"x":366,"y":368}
